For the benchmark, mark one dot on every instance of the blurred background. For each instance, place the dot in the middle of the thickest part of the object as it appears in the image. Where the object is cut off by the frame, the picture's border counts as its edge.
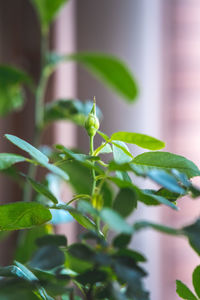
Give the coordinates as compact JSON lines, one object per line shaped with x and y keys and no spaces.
{"x":160,"y":41}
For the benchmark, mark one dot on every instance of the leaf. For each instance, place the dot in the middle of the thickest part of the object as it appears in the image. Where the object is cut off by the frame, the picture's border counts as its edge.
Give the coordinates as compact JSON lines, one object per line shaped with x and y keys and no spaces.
{"x":196,"y":280}
{"x":56,"y":170}
{"x":167,"y":161}
{"x":184,"y":292}
{"x":92,"y":277}
{"x":111,"y":71}
{"x":47,"y":11}
{"x":81,"y":252}
{"x":47,"y":257}
{"x":115,"y":221}
{"x":125,"y":202}
{"x":192,"y":232}
{"x":20,"y":271}
{"x":32,"y":151}
{"x":149,"y":198}
{"x":42,"y":189}
{"x":52,"y":239}
{"x":145,"y":224}
{"x":27,"y":242}
{"x":22,"y":215}
{"x":75,"y":111}
{"x":141,"y":140}
{"x":11,"y":93}
{"x":9,"y":159}
{"x":122,"y":240}
{"x":166,"y":180}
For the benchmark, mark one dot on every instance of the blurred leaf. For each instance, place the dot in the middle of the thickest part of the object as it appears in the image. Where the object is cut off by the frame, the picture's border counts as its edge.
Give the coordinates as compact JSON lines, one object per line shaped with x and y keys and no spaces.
{"x":92,"y":277}
{"x":192,"y":232}
{"x":72,"y":110}
{"x":47,"y":257}
{"x":81,"y":251}
{"x":184,"y":292}
{"x":111,"y":71}
{"x":11,"y":93}
{"x":167,"y":194}
{"x":149,"y":198}
{"x":27,"y":242}
{"x":125,"y":202}
{"x":52,"y":239}
{"x":163,"y":178}
{"x":196,"y":280}
{"x":9,"y":159}
{"x":167,"y":161}
{"x":141,"y":140}
{"x":22,"y":215}
{"x":47,"y":11}
{"x":115,"y":221}
{"x":20,"y":271}
{"x":145,"y":224}
{"x":122,"y":240}
{"x":42,"y":189}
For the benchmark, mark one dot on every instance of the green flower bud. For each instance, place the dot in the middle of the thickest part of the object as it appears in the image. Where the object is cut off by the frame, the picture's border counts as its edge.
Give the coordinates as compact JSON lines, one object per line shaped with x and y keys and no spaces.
{"x":97,"y":201}
{"x":92,"y":122}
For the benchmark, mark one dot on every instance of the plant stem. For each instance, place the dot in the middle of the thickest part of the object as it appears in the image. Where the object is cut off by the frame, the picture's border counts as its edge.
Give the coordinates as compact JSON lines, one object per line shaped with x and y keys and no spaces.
{"x":93,"y":171}
{"x":39,"y":114}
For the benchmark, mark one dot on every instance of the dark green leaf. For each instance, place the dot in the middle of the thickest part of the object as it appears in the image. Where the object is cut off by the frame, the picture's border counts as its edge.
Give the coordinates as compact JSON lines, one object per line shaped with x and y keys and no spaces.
{"x":92,"y":277}
{"x":192,"y":232}
{"x":9,"y":159}
{"x":11,"y":93}
{"x":51,"y":239}
{"x":81,"y":251}
{"x":128,"y":253}
{"x":47,"y":11}
{"x":196,"y":280}
{"x":141,"y":140}
{"x":111,"y":71}
{"x":42,"y":189}
{"x":125,"y":202}
{"x":184,"y":292}
{"x":122,"y":240}
{"x":167,"y":161}
{"x":22,"y":215}
{"x":115,"y":221}
{"x":72,"y":110}
{"x":47,"y":257}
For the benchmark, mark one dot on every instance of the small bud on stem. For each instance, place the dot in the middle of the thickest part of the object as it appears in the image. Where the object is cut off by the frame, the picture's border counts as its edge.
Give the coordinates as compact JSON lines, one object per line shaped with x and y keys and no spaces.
{"x":92,"y":122}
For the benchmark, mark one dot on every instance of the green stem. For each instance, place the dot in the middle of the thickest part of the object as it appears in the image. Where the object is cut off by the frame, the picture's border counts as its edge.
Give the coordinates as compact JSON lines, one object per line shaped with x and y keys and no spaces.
{"x":39,"y":114}
{"x":93,"y":171}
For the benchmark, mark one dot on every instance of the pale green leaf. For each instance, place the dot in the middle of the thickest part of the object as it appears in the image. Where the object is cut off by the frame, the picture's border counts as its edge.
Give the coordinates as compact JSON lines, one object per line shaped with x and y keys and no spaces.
{"x":9,"y":159}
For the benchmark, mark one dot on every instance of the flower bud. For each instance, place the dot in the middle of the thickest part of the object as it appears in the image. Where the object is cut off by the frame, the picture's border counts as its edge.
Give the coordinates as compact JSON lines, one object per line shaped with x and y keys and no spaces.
{"x":92,"y":122}
{"x":97,"y":201}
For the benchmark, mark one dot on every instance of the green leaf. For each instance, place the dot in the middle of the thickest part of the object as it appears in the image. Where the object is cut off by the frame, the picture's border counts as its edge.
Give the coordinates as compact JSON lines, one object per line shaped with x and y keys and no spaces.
{"x":184,"y":292}
{"x":72,"y":110}
{"x":22,"y":215}
{"x":196,"y":280}
{"x":56,"y":170}
{"x":192,"y":232}
{"x":167,"y":161}
{"x":9,"y":159}
{"x":81,"y":251}
{"x":27,"y":242}
{"x":92,"y":277}
{"x":47,"y":11}
{"x":32,"y":151}
{"x":121,"y":152}
{"x":47,"y":257}
{"x":141,"y":140}
{"x":111,"y":71}
{"x":125,"y":202}
{"x":149,"y":198}
{"x":122,"y":240}
{"x":115,"y":221}
{"x":52,"y":239}
{"x":145,"y":224}
{"x":42,"y":189}
{"x":163,"y":178}
{"x":11,"y":93}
